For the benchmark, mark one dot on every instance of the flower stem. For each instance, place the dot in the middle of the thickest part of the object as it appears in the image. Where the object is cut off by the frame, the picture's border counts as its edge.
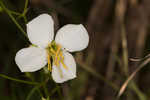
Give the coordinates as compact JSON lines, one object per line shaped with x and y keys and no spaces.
{"x":25,"y":7}
{"x":18,"y":80}
{"x":12,"y":18}
{"x":32,"y":92}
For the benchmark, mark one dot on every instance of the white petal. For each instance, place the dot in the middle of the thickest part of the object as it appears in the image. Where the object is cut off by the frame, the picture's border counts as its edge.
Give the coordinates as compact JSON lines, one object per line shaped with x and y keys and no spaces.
{"x":41,"y":30}
{"x":61,"y":74}
{"x":72,"y":37}
{"x":31,"y":59}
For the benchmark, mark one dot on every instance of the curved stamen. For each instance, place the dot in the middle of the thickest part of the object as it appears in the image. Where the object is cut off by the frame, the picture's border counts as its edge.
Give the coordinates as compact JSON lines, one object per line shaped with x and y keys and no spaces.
{"x":55,"y":52}
{"x":49,"y":62}
{"x":57,"y":56}
{"x":64,"y":64}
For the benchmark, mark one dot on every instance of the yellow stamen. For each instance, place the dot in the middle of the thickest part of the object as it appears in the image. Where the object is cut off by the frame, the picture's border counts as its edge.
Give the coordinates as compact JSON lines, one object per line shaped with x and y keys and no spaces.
{"x":57,"y":56}
{"x":52,"y":50}
{"x":62,"y":57}
{"x":62,"y":60}
{"x":58,"y":60}
{"x":49,"y":63}
{"x":64,"y":64}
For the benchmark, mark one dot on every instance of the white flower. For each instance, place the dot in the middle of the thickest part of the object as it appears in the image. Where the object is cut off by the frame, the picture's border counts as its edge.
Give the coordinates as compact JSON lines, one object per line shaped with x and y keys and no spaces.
{"x":69,"y":38}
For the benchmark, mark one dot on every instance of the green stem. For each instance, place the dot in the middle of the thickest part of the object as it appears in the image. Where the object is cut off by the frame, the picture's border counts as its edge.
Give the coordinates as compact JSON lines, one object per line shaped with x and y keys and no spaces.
{"x":33,"y":90}
{"x":12,"y":18}
{"x":25,"y":19}
{"x":54,"y":90}
{"x":125,"y":50}
{"x":18,"y":80}
{"x":25,"y":11}
{"x":133,"y":86}
{"x":32,"y":78}
{"x":96,"y":74}
{"x":25,"y":7}
{"x":45,"y":90}
{"x":140,"y":94}
{"x":59,"y":92}
{"x":15,"y":13}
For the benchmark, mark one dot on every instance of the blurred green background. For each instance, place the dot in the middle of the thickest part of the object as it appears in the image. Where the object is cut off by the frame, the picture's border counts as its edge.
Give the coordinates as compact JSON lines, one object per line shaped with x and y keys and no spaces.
{"x":118,"y":30}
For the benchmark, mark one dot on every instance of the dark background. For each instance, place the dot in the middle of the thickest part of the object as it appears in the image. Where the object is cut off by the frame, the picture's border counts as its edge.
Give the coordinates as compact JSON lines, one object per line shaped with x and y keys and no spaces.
{"x":118,"y":30}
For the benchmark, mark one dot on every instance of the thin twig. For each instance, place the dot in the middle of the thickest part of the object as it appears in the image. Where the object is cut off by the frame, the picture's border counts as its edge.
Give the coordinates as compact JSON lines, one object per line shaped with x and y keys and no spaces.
{"x":123,"y":87}
{"x":12,"y":18}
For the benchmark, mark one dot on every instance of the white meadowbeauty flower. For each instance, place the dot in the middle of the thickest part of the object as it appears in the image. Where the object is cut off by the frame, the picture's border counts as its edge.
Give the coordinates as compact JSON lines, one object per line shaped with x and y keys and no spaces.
{"x":52,"y":52}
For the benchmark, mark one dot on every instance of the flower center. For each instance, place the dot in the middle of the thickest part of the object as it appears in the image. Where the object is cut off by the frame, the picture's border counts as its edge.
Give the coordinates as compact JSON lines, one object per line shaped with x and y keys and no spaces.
{"x":55,"y":55}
